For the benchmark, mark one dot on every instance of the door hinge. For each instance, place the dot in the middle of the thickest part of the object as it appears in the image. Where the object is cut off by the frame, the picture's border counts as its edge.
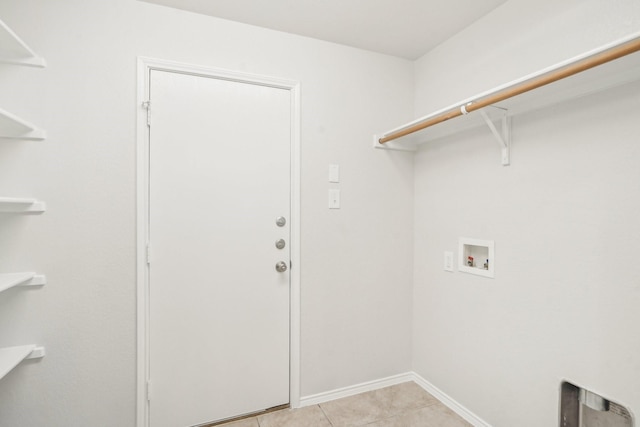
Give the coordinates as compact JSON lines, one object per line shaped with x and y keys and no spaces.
{"x":148,"y":391}
{"x":148,"y":253}
{"x":147,"y":106}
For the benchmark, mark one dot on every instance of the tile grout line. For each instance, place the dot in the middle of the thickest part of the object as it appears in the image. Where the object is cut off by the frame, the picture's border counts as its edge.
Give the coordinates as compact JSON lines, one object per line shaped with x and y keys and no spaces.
{"x":325,"y":415}
{"x":391,"y":415}
{"x":398,"y":415}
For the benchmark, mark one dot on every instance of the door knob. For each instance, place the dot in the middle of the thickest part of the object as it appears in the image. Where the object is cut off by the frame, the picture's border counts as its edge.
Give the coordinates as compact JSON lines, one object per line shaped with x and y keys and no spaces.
{"x":280,"y":243}
{"x":281,"y":221}
{"x":281,"y":267}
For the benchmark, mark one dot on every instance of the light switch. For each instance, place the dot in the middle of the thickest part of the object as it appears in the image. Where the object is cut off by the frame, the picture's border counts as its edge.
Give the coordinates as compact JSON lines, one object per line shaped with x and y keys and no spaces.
{"x":448,"y":261}
{"x":334,"y":199}
{"x":334,"y":173}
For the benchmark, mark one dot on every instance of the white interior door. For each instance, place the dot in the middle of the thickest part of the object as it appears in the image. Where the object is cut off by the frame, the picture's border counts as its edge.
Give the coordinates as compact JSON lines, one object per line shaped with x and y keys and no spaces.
{"x":219,"y":176}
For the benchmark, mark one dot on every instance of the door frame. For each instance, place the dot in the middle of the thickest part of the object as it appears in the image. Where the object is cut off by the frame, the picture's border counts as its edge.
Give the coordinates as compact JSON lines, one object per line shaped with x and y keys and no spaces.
{"x":145,"y":65}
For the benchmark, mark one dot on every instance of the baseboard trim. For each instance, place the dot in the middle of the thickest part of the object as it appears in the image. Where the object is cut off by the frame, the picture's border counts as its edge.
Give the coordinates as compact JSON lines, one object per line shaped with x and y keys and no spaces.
{"x":327,"y":396}
{"x":447,"y":400}
{"x":450,"y":402}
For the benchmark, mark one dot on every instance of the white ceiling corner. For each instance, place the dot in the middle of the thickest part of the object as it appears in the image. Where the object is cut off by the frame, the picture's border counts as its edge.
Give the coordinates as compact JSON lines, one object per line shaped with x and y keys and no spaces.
{"x":403,"y":28}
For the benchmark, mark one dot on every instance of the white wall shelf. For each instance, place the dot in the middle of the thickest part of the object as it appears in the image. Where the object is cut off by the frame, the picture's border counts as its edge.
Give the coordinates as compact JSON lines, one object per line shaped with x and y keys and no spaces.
{"x":14,"y":205}
{"x":15,"y":51}
{"x":9,"y":280}
{"x":606,"y":76}
{"x":13,"y":127}
{"x":10,"y":357}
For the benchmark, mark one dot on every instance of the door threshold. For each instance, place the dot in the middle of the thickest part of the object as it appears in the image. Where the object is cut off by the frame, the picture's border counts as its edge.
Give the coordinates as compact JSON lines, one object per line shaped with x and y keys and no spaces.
{"x":244,"y":417}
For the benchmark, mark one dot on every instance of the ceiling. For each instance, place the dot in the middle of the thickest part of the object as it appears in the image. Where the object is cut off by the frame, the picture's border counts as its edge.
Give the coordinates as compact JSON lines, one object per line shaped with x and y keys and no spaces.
{"x":403,"y":28}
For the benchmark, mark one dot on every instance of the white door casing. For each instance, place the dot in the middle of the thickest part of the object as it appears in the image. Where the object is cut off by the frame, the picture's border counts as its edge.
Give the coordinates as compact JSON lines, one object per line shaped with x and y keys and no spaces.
{"x":210,"y":206}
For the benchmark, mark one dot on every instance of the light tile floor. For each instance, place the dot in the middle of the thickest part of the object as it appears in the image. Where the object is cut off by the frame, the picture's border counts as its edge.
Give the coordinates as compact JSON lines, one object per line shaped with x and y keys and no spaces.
{"x":402,"y":405}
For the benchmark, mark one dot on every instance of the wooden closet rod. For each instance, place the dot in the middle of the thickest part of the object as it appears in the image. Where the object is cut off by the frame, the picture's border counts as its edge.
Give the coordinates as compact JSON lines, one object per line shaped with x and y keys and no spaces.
{"x":582,"y":65}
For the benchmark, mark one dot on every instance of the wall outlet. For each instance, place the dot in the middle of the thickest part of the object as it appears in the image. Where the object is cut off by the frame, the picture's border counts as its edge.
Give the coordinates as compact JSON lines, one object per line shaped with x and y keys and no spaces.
{"x":448,"y":261}
{"x":334,"y":199}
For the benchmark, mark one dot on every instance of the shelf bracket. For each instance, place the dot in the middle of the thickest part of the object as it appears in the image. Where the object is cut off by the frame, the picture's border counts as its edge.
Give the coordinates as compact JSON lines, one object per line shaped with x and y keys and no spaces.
{"x":13,"y":127}
{"x":504,"y":136}
{"x":10,"y":357}
{"x":36,"y":353}
{"x":391,"y":146}
{"x":15,"y":51}
{"x":10,"y":280}
{"x":36,"y":280}
{"x":26,"y":206}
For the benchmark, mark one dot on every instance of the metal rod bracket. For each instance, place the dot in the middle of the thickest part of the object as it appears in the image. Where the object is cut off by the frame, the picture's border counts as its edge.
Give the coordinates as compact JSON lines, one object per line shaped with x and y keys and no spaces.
{"x":391,"y":146}
{"x":503,"y":136}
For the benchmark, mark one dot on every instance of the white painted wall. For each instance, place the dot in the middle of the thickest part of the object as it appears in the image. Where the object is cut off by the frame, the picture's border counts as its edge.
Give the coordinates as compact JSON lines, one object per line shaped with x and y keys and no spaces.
{"x":564,"y":217}
{"x":357,"y":264}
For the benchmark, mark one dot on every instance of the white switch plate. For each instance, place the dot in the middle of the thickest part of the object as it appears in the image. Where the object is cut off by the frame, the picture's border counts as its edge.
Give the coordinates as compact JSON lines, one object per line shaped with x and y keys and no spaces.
{"x":334,"y":198}
{"x":334,"y":173}
{"x":448,"y":261}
